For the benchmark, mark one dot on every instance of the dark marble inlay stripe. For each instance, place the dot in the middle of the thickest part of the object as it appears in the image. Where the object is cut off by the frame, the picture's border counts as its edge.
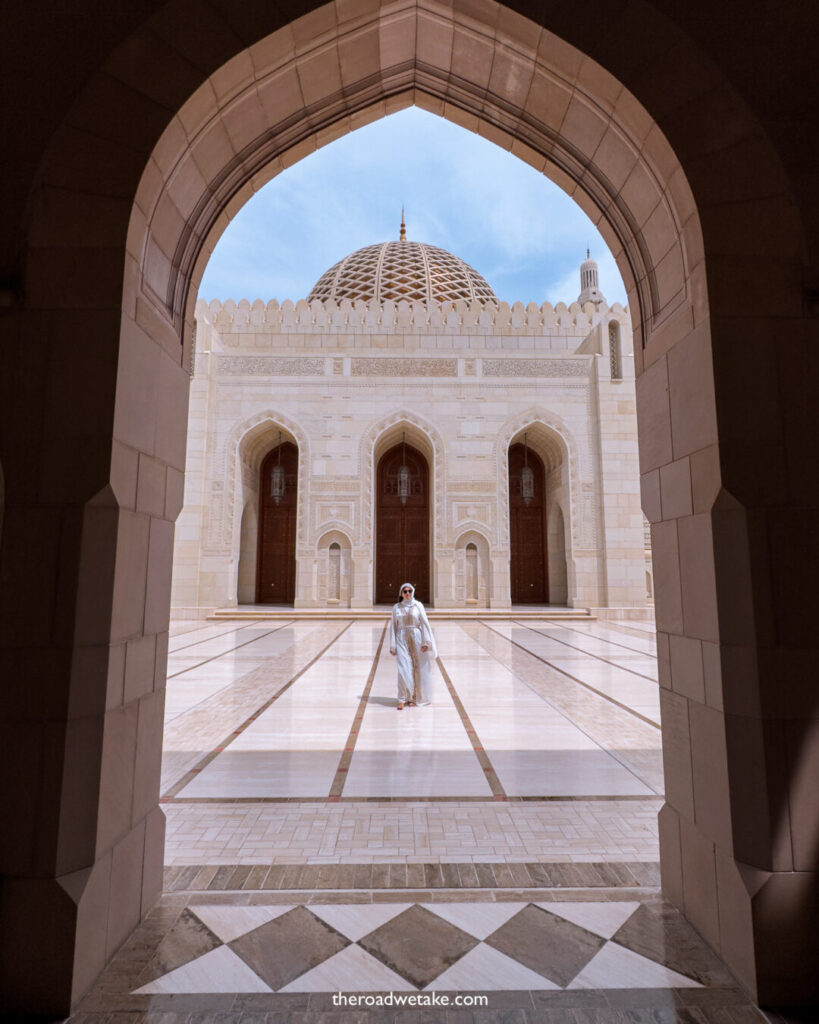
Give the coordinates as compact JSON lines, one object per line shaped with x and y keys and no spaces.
{"x":492,"y":779}
{"x":340,"y":777}
{"x":213,"y":657}
{"x":574,"y":679}
{"x":539,"y":631}
{"x":225,"y":743}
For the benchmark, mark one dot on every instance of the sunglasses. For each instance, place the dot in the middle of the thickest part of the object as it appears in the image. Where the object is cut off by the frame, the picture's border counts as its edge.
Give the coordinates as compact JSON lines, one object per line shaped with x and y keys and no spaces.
{"x":406,"y":591}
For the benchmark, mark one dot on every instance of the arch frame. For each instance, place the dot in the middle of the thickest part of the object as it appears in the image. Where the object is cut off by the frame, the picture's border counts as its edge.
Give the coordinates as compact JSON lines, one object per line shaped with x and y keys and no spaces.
{"x":720,"y":135}
{"x":604,"y":154}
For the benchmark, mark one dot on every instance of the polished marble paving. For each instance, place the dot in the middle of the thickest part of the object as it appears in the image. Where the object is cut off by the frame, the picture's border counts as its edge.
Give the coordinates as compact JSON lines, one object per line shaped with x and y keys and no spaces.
{"x":282,"y":742}
{"x":500,"y":844}
{"x":268,"y":713}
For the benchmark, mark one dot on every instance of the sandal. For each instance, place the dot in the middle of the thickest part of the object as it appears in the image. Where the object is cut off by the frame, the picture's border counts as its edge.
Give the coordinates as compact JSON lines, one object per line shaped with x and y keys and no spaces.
{"x":411,"y":704}
{"x":400,"y":706}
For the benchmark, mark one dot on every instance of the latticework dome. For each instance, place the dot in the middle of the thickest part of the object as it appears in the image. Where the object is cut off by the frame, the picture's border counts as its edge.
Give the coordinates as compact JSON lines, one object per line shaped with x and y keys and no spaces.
{"x":402,"y":270}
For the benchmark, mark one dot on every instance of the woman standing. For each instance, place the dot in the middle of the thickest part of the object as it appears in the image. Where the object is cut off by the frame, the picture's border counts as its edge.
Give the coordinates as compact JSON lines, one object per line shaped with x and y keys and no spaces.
{"x":412,"y":642}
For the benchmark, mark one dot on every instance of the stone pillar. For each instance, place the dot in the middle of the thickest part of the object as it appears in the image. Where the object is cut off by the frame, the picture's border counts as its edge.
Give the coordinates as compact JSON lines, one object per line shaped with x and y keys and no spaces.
{"x":361,"y":584}
{"x":186,"y":594}
{"x":622,"y":538}
{"x":94,"y":442}
{"x":501,"y":581}
{"x":443,"y":575}
{"x":730,"y":487}
{"x":306,"y":578}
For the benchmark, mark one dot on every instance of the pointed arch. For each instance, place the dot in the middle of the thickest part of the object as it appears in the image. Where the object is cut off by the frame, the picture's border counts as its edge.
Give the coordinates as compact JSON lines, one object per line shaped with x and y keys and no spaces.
{"x":246,"y":445}
{"x":549,"y":435}
{"x":382,"y":434}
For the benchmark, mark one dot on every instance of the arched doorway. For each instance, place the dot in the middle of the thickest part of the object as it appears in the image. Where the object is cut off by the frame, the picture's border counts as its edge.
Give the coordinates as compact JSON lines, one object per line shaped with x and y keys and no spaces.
{"x":592,"y":127}
{"x":276,"y":575}
{"x":527,"y":529}
{"x":402,"y":524}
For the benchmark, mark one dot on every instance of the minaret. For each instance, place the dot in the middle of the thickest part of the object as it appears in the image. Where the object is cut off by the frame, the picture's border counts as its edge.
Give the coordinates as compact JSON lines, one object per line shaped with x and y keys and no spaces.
{"x":403,"y":235}
{"x":589,"y":290}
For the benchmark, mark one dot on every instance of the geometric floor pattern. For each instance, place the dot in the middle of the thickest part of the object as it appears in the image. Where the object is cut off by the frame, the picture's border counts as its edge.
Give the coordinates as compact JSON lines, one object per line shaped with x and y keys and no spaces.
{"x":408,"y":947}
{"x":610,"y":955}
{"x":494,"y":853}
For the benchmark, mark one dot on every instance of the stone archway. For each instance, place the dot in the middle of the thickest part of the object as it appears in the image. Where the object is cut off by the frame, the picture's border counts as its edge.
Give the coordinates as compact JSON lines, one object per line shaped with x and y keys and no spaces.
{"x":110,"y":269}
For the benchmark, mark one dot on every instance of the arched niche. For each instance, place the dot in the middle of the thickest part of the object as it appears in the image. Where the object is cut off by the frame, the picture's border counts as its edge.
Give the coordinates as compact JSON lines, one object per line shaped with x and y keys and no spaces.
{"x":334,"y":569}
{"x":473,"y":570}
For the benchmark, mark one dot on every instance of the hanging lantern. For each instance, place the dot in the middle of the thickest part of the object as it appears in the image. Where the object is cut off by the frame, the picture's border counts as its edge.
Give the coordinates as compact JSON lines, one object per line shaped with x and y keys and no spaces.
{"x":404,"y":476}
{"x":527,"y":477}
{"x":278,"y":483}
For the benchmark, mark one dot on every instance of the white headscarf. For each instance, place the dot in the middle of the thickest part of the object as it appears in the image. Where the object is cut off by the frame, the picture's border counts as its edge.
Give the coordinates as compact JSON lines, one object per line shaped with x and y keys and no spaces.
{"x":401,"y":596}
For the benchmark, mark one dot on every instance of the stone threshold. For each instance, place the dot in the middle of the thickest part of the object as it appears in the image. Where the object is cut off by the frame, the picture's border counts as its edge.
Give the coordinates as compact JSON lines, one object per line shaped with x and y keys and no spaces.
{"x":400,"y":876}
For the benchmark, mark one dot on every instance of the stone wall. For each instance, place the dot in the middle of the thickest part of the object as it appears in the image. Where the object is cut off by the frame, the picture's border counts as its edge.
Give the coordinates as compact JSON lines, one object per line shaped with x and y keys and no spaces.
{"x":432,"y":376}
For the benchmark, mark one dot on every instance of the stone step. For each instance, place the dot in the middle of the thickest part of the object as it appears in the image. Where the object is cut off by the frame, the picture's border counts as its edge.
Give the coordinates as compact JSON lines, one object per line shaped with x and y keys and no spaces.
{"x":250,"y":612}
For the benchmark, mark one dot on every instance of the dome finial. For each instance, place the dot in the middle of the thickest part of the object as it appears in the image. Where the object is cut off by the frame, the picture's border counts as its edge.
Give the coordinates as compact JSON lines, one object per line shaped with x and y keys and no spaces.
{"x":403,"y":236}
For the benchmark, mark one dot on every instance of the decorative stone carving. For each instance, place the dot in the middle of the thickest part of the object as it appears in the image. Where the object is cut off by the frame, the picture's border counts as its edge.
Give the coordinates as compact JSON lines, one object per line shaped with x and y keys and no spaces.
{"x":335,"y":512}
{"x":388,"y":367}
{"x":272,"y":366}
{"x":535,"y":367}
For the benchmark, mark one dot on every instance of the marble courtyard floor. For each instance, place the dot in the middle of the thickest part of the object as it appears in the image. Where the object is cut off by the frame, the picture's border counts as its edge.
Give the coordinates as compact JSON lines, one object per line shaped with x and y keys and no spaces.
{"x":497,"y":850}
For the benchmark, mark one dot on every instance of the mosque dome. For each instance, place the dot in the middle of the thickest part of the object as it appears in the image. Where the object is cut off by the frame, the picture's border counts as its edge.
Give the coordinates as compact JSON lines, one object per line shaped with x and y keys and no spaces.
{"x":400,"y":270}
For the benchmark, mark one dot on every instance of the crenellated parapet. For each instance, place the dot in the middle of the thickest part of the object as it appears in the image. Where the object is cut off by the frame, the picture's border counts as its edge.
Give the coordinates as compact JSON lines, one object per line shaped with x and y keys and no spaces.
{"x":346,"y":317}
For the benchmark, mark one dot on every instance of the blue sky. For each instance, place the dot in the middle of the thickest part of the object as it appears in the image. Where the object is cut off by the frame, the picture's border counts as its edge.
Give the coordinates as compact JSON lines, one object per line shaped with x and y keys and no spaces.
{"x":460,"y":191}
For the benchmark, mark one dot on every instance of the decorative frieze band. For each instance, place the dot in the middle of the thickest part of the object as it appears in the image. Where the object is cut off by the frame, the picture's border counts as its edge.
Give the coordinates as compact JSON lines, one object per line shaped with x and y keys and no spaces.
{"x":387,"y":366}
{"x":272,"y":366}
{"x":399,"y":367}
{"x":535,"y":367}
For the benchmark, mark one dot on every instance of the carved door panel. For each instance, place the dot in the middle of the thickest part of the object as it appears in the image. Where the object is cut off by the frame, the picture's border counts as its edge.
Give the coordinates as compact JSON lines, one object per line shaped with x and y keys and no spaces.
{"x":527,"y":531}
{"x":276,"y":576}
{"x":402,"y":530}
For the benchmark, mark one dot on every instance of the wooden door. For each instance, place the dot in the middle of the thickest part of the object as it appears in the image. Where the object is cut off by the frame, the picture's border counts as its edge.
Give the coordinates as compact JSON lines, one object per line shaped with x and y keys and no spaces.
{"x":402,"y":531}
{"x":527,"y":531}
{"x":276,"y":575}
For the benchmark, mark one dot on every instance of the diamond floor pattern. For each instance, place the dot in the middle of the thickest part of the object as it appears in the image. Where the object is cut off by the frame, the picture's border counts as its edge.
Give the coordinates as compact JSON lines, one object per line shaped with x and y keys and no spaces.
{"x":405,"y":947}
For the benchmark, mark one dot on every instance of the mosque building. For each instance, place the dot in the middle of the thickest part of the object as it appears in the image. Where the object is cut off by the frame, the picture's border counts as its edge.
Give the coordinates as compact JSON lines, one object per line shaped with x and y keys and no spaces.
{"x":400,"y":423}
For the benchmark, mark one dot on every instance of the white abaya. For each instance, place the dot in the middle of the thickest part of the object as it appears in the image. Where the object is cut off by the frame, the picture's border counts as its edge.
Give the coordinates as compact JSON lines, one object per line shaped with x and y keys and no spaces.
{"x":409,"y":632}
